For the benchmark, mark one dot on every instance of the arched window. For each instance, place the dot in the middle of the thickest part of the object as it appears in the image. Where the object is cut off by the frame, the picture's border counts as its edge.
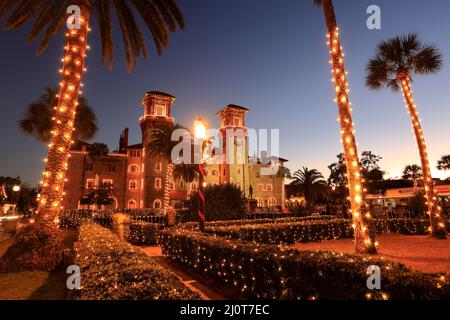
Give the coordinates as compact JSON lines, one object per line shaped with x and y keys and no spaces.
{"x":194,"y":186}
{"x":133,"y":168}
{"x":272,"y":202}
{"x":132,"y":185}
{"x":215,"y":172}
{"x":131,"y":204}
{"x":260,"y":202}
{"x":158,"y":184}
{"x":157,"y":204}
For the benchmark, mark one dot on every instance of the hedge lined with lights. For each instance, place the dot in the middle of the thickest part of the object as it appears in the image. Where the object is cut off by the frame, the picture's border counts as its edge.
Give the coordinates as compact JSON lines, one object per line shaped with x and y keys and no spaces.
{"x":112,"y":269}
{"x":276,"y":272}
{"x":142,"y":233}
{"x":289,"y":232}
{"x":309,"y":230}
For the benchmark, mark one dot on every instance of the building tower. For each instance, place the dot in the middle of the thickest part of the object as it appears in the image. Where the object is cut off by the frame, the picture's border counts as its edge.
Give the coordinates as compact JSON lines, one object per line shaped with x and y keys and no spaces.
{"x":157,"y":114}
{"x":235,"y":169}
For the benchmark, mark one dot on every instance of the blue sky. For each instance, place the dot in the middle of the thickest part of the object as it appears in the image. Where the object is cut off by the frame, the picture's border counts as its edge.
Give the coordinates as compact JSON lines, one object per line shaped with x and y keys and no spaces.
{"x":267,"y":55}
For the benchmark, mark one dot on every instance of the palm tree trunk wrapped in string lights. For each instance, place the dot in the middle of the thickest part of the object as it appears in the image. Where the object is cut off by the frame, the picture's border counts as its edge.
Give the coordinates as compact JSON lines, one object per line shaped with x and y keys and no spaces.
{"x":364,"y":236}
{"x":63,"y":119}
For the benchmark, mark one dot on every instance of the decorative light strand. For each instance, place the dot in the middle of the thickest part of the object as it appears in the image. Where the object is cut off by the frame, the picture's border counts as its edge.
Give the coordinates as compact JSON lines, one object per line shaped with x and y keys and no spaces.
{"x":364,"y":239}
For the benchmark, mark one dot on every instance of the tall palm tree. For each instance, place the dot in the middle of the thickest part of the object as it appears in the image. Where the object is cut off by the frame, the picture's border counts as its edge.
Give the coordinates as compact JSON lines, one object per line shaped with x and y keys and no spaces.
{"x":160,"y":16}
{"x":364,"y":235}
{"x":311,"y":183}
{"x":444,"y":163}
{"x":396,"y":61}
{"x":187,"y":173}
{"x":37,"y":120}
{"x":160,"y":147}
{"x":412,"y":172}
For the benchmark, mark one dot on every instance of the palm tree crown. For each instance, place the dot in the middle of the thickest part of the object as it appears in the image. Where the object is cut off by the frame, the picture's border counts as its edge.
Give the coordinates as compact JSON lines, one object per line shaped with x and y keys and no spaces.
{"x":160,"y":16}
{"x":161,"y":144}
{"x":399,"y":56}
{"x":37,"y":120}
{"x":444,"y":163}
{"x":311,"y":183}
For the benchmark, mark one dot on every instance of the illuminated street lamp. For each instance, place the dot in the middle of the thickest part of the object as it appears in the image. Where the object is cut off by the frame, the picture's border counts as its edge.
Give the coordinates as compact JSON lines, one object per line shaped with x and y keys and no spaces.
{"x":16,"y":190}
{"x":200,"y":136}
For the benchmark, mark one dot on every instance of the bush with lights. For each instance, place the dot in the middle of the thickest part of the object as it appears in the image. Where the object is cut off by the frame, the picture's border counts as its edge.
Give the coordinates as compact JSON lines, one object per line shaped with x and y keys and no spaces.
{"x":142,"y":233}
{"x":263,"y":271}
{"x":112,"y":269}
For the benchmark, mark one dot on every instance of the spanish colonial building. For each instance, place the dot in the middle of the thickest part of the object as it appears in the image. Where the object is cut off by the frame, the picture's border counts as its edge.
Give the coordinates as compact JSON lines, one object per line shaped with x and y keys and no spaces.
{"x":137,"y":179}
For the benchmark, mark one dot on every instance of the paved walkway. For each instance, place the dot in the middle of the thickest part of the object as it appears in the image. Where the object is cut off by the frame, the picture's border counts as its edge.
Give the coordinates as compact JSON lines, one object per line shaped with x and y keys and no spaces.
{"x":416,"y":252}
{"x":207,"y":290}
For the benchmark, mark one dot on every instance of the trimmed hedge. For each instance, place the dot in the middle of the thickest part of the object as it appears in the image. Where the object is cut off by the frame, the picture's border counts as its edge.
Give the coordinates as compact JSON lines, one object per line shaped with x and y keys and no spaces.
{"x":277,"y":272}
{"x":112,"y":269}
{"x":289,"y":232}
{"x":142,"y":233}
{"x":309,"y":229}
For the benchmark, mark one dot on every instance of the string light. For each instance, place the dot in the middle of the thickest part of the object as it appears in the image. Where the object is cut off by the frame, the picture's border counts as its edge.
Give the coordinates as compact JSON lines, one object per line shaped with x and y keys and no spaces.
{"x":364,"y":241}
{"x":51,"y":196}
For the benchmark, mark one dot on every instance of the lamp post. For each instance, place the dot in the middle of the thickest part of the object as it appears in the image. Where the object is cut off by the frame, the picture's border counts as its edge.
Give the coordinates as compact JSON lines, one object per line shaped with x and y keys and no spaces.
{"x":200,"y":136}
{"x":16,"y":190}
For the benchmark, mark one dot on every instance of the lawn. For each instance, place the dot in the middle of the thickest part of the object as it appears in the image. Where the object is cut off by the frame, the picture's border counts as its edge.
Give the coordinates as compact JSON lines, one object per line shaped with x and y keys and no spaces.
{"x":36,"y":285}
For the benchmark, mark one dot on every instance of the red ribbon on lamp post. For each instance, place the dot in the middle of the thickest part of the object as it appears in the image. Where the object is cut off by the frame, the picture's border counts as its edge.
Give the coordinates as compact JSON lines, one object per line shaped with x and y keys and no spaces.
{"x":200,"y":135}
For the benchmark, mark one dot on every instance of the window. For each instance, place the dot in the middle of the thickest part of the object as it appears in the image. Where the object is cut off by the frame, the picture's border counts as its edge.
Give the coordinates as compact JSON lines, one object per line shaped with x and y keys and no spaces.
{"x":194,"y":186}
{"x":272,"y":202}
{"x":260,"y":187}
{"x":158,"y":183}
{"x":215,"y":172}
{"x":90,"y":183}
{"x":134,"y":168}
{"x":160,"y":110}
{"x":269,"y":187}
{"x":89,"y":166}
{"x":132,"y":184}
{"x":237,"y":121}
{"x":260,"y":202}
{"x":135,"y":153}
{"x":239,"y":171}
{"x":108,"y":182}
{"x":111,"y":167}
{"x":158,"y":166}
{"x":157,"y":204}
{"x":131,"y":204}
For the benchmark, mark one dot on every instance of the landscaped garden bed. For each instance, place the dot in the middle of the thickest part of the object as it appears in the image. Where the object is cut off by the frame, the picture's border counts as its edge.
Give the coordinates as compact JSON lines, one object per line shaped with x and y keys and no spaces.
{"x":112,"y":269}
{"x":263,"y":271}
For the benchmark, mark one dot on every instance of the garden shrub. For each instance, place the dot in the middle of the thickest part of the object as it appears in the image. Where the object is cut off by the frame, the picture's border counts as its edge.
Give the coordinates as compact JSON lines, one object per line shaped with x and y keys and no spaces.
{"x":277,"y":272}
{"x":223,"y":202}
{"x":142,"y":233}
{"x":112,"y":269}
{"x":36,"y":247}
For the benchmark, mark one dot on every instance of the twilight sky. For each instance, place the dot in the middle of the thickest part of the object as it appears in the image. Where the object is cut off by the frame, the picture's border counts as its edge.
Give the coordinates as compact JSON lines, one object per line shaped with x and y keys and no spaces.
{"x":267,"y":55}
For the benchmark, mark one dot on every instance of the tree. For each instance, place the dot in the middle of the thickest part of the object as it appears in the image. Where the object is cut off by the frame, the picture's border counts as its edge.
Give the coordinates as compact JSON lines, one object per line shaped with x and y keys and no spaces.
{"x":101,"y":195}
{"x":396,"y":61}
{"x":98,"y":149}
{"x":161,"y":146}
{"x":412,"y":172}
{"x":223,"y":202}
{"x":311,"y":184}
{"x":364,"y":236}
{"x":161,"y":17}
{"x":37,"y":120}
{"x":444,"y":163}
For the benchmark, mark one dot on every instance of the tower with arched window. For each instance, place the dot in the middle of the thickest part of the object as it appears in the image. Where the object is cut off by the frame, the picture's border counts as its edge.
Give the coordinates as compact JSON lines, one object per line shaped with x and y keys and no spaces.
{"x":157,"y":114}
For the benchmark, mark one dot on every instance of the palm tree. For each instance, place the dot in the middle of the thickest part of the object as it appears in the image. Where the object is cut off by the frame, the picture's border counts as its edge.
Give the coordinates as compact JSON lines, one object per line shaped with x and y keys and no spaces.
{"x":161,"y":17}
{"x":187,"y":173}
{"x":396,"y":60}
{"x":160,"y":147}
{"x":38,"y":118}
{"x":364,"y":235}
{"x":444,"y":163}
{"x":412,"y":172}
{"x":311,"y":183}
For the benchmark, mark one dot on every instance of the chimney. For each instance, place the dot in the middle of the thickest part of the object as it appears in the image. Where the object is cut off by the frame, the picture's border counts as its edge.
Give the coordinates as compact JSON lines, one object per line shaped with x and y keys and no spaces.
{"x":123,"y":141}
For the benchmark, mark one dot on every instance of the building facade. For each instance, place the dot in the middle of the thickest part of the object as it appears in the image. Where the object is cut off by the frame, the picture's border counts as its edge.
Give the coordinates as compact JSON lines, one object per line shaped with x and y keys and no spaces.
{"x":137,"y":179}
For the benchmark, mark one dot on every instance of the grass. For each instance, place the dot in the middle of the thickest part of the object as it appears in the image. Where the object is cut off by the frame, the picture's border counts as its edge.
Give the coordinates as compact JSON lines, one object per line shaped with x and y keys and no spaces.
{"x":35,"y":285}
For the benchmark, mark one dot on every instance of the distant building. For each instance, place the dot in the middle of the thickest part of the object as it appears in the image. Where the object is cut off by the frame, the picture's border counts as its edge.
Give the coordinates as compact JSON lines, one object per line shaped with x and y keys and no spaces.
{"x":400,"y":196}
{"x":138,"y":179}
